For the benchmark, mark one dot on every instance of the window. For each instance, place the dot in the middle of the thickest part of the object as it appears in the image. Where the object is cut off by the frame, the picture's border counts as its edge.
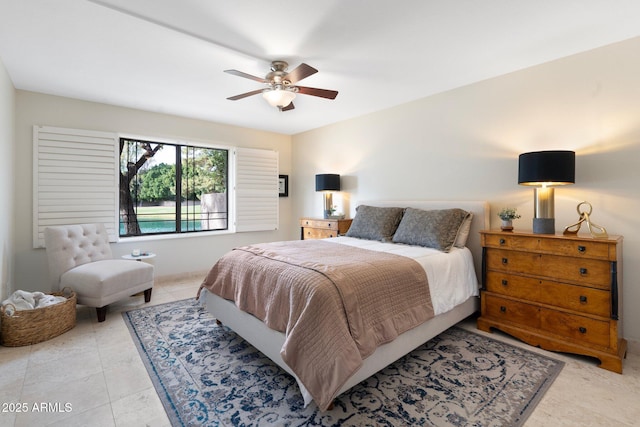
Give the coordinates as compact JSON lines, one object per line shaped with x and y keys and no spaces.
{"x":77,"y":177}
{"x":171,"y":188}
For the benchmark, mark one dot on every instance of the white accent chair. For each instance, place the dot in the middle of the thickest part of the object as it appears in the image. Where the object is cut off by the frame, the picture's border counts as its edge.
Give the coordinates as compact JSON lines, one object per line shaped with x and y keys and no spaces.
{"x":80,"y":257}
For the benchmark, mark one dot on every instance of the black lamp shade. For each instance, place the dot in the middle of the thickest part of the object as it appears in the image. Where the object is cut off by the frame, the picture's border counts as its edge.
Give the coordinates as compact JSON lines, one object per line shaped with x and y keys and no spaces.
{"x":328,"y":182}
{"x":547,"y":167}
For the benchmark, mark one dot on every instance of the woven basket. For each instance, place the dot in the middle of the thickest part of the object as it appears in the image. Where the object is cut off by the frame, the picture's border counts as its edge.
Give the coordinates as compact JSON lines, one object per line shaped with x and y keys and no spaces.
{"x":26,"y":327}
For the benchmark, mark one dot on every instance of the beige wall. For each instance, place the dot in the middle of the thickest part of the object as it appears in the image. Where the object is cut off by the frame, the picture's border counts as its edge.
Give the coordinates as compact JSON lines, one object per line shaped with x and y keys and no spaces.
{"x":7,"y":101}
{"x":464,"y":144}
{"x":174,"y":256}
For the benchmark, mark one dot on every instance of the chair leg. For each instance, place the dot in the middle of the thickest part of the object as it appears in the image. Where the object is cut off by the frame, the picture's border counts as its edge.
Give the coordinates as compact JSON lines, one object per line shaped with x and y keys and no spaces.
{"x":102,"y":313}
{"x":147,"y":295}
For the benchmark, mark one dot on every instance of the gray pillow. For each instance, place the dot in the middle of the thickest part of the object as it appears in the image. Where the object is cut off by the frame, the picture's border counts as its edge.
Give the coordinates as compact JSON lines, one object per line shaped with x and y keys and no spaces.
{"x":433,"y":229}
{"x":375,"y":223}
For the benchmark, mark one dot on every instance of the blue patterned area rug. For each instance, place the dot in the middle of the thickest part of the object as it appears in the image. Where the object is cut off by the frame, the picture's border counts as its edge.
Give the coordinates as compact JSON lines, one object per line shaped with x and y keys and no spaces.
{"x":206,"y":375}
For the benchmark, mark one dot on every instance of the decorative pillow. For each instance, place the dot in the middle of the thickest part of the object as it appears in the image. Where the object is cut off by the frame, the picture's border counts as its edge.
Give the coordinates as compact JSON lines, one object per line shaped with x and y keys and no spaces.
{"x":375,"y":223}
{"x":463,"y":232}
{"x":433,"y":229}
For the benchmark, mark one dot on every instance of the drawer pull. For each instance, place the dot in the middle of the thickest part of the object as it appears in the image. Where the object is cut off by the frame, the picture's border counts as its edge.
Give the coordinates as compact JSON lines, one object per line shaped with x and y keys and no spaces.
{"x":582,"y":330}
{"x":582,"y":248}
{"x":329,"y":224}
{"x":503,"y":309}
{"x":583,"y":271}
{"x":502,"y":241}
{"x":505,"y":282}
{"x":583,"y":299}
{"x":505,"y":261}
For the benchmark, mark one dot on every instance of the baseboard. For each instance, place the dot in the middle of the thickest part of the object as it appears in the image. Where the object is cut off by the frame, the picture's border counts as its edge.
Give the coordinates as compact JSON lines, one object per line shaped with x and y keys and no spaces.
{"x":180,"y":276}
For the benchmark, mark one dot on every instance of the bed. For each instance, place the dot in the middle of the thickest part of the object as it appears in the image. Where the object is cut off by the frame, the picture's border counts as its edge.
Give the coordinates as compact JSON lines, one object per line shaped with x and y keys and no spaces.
{"x":452,"y":280}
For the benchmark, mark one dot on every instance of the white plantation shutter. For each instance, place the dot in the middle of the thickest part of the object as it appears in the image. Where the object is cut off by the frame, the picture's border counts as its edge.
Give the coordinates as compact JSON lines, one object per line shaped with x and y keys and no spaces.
{"x":256,"y":189}
{"x":75,"y":179}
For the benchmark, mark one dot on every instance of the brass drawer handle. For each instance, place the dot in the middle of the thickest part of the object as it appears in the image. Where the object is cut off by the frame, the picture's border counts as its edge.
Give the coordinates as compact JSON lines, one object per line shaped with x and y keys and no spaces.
{"x":582,"y":330}
{"x":582,"y":248}
{"x":505,"y":282}
{"x":505,"y":261}
{"x":583,"y":299}
{"x":503,"y":309}
{"x":583,"y":271}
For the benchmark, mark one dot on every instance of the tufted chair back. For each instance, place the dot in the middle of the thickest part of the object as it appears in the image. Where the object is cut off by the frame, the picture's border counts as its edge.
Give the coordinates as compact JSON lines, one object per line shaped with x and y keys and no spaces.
{"x":69,"y":246}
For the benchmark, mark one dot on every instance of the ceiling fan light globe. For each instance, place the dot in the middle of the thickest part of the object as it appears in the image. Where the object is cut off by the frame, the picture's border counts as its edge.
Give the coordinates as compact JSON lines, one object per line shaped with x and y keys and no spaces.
{"x":278,"y":97}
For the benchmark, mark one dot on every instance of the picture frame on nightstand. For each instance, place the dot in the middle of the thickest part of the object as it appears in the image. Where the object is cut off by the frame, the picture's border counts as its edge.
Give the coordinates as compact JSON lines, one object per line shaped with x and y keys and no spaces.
{"x":283,"y":185}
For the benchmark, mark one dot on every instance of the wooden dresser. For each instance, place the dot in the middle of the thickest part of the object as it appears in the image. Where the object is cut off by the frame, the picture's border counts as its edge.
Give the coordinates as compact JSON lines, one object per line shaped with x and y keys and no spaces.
{"x":560,"y":293}
{"x":315,"y":228}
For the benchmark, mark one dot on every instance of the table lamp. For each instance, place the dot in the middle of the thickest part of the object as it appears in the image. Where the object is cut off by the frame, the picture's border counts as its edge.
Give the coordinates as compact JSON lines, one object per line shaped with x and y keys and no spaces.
{"x":544,"y":170}
{"x":327,"y":183}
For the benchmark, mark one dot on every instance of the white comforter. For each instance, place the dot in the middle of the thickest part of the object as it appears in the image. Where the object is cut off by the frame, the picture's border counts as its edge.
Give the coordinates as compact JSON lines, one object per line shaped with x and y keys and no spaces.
{"x":452,"y":278}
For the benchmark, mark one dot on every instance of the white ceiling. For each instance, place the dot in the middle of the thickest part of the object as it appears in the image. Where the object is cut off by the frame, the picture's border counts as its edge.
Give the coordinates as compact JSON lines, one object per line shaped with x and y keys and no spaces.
{"x":169,"y":55}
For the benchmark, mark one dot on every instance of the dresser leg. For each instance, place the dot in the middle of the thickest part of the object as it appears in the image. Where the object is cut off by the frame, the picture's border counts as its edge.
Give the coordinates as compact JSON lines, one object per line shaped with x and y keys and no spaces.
{"x":609,"y":361}
{"x":483,"y":325}
{"x":613,"y":363}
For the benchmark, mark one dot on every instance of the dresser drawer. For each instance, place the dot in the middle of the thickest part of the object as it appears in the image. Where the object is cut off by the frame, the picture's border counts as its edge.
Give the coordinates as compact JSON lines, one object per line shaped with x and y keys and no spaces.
{"x":596,"y":273}
{"x":576,"y":298}
{"x":593,"y":272}
{"x":559,"y":246}
{"x":318,"y":233}
{"x":512,"y":285}
{"x":576,"y":328}
{"x":315,"y":223}
{"x":510,"y":241}
{"x":580,"y":249}
{"x":511,"y":311}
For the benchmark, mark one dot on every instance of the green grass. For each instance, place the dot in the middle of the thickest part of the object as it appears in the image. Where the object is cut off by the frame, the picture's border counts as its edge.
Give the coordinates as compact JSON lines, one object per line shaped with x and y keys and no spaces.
{"x":159,"y":213}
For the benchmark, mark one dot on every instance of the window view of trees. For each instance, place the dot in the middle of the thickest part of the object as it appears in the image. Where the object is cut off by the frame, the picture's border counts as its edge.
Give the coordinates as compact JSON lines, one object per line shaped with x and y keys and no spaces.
{"x":169,"y":188}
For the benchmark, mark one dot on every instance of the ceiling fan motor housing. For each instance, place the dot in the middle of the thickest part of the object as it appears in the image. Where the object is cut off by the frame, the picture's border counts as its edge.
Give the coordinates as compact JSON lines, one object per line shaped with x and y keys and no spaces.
{"x":277,"y":74}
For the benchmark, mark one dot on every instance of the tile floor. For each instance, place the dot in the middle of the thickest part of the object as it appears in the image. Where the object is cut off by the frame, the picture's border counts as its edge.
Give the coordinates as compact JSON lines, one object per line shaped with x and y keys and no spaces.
{"x":93,"y":376}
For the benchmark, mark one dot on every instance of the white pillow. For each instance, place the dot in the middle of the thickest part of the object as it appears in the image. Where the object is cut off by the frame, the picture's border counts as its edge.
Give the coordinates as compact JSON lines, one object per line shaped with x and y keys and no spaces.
{"x":463,"y":232}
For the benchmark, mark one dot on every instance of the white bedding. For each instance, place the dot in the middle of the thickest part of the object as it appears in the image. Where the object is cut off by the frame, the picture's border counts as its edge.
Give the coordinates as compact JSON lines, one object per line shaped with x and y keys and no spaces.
{"x":452,"y":278}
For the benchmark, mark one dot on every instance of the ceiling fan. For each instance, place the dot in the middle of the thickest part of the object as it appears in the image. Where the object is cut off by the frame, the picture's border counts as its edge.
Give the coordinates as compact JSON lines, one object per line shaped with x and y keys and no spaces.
{"x":281,"y":88}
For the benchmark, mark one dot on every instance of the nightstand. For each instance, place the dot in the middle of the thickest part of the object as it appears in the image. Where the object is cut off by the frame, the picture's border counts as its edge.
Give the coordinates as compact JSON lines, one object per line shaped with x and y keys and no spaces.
{"x":560,"y":293}
{"x":316,"y":228}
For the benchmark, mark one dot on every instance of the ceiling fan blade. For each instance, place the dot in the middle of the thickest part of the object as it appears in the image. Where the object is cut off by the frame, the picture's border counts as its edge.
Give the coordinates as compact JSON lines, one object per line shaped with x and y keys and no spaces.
{"x":244,"y":95}
{"x":302,"y":71}
{"x":246,"y":76}
{"x":322,"y":93}
{"x":288,"y":107}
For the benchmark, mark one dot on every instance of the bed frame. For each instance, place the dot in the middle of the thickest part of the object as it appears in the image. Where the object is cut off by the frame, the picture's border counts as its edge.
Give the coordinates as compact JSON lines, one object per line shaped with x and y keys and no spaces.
{"x":269,"y":341}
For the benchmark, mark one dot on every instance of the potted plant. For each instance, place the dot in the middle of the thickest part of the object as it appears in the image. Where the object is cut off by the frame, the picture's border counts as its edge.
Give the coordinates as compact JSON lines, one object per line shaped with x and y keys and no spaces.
{"x":507,"y":215}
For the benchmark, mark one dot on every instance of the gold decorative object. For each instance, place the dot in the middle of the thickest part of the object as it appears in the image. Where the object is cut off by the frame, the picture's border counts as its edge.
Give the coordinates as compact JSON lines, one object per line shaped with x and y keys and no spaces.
{"x":596,"y":231}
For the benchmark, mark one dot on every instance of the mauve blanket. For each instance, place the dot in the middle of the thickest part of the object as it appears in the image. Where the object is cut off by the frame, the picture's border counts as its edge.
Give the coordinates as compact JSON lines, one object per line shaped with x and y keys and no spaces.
{"x":334,"y":303}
